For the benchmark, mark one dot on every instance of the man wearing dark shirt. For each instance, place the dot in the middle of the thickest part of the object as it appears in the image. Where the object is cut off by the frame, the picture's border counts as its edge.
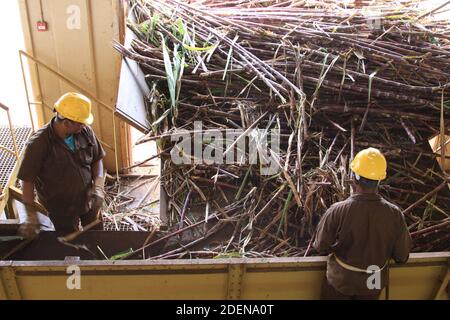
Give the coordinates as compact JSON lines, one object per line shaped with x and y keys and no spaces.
{"x":63,"y":163}
{"x":361,"y":234}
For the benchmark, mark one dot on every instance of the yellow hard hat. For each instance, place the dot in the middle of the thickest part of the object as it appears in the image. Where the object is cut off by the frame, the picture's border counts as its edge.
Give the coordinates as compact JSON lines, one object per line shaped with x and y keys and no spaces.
{"x":76,"y":107}
{"x":370,"y":164}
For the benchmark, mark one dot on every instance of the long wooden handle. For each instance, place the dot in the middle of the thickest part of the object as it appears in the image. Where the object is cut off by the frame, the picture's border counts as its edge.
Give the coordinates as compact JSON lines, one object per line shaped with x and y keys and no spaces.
{"x":75,"y":234}
{"x":4,"y":107}
{"x":18,"y":195}
{"x":17,"y":248}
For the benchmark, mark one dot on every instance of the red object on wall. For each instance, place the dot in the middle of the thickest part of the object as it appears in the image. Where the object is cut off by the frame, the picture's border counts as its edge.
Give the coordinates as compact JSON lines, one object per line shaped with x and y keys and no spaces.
{"x":42,"y":26}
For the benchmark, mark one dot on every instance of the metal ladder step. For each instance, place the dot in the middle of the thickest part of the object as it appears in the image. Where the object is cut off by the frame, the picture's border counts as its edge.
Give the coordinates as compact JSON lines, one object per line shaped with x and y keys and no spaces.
{"x":7,"y":161}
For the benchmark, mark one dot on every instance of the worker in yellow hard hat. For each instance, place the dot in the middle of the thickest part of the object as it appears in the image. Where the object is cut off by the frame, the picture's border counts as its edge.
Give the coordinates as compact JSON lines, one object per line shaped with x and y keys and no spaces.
{"x":63,"y":163}
{"x":361,"y":234}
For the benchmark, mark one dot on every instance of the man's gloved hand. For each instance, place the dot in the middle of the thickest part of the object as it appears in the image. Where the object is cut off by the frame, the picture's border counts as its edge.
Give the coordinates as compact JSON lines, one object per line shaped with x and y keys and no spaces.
{"x":29,"y":231}
{"x":96,"y":195}
{"x":31,"y":227}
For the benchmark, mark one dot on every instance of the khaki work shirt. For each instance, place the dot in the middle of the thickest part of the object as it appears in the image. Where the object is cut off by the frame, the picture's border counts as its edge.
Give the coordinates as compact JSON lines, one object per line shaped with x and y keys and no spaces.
{"x":364,"y":230}
{"x":61,"y":177}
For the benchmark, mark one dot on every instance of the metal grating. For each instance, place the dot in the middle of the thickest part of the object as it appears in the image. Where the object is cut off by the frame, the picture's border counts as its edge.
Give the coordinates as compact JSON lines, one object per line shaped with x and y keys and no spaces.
{"x":7,"y":160}
{"x":110,"y":226}
{"x":125,"y":226}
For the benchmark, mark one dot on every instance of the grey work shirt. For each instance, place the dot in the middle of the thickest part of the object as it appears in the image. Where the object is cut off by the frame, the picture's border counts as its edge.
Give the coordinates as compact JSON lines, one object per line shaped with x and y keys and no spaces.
{"x":61,"y":176}
{"x":364,"y":230}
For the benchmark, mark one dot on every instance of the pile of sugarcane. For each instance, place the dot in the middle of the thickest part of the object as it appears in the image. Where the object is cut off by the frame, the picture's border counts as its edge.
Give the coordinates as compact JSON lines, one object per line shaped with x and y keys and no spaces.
{"x":124,"y":211}
{"x":331,"y":77}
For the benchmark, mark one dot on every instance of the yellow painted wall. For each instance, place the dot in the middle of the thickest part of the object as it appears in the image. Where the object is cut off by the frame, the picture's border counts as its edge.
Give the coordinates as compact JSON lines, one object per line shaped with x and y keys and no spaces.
{"x":78,"y":45}
{"x":424,"y":276}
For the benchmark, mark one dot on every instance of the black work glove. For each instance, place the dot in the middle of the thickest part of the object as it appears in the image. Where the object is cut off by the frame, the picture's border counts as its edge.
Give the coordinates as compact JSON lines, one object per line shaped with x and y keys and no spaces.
{"x":96,"y":195}
{"x":30,"y":228}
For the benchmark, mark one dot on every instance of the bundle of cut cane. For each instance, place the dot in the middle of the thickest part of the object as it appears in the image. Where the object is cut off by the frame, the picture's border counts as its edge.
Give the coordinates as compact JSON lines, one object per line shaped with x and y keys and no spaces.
{"x":332,"y":79}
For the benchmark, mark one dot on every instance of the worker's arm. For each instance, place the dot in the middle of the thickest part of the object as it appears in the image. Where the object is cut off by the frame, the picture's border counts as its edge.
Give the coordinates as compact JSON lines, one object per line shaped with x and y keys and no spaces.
{"x":326,"y":234}
{"x":96,"y":194}
{"x":28,"y":194}
{"x":97,"y":170}
{"x":403,"y":243}
{"x":99,"y":153}
{"x":97,"y":165}
{"x":33,"y":160}
{"x":29,"y":229}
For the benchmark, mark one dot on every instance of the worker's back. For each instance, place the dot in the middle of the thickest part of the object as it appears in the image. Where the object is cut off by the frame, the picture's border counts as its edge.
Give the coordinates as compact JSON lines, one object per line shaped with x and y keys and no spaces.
{"x":363,"y":231}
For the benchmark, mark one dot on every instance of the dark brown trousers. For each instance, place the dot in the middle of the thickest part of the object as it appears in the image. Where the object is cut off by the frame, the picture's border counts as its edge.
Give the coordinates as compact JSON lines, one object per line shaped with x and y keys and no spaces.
{"x":330,"y":293}
{"x":68,"y":224}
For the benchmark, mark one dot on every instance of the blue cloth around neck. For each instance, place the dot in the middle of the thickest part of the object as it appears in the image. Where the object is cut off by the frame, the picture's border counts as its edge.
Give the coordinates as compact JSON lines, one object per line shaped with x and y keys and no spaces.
{"x":70,"y":143}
